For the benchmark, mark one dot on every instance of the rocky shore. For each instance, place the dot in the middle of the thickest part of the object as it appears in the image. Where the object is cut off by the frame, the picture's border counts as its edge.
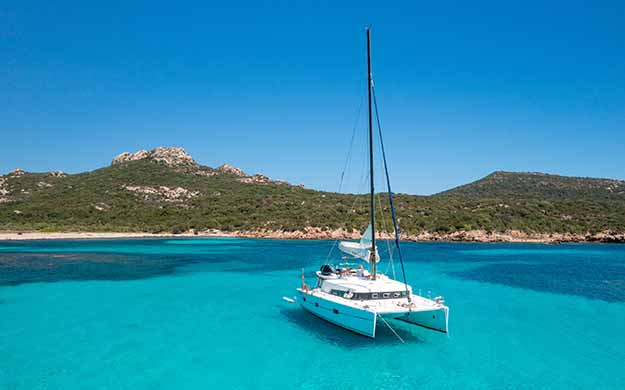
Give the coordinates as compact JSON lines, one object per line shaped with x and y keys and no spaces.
{"x":313,"y":233}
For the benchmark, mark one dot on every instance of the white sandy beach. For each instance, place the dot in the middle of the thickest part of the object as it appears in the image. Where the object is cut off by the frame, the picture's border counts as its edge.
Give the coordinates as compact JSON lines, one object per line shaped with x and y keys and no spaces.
{"x":11,"y":236}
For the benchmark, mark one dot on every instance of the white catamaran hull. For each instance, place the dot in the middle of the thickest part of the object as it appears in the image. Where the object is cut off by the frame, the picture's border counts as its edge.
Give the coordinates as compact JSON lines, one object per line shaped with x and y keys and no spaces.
{"x":357,"y":320}
{"x":430,"y":319}
{"x":423,"y":312}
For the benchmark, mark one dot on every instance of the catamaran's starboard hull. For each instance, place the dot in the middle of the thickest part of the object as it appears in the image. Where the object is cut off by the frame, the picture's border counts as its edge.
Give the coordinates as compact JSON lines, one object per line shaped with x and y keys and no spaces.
{"x":360,"y":321}
{"x":430,"y":319}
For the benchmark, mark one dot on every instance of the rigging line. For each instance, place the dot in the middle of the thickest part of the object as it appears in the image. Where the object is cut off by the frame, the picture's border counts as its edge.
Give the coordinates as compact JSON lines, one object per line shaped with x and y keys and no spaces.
{"x":391,"y":263}
{"x":347,"y":161}
{"x":351,"y":142}
{"x":364,"y":177}
{"x":391,"y":328}
{"x":390,"y":192}
{"x":358,"y":197}
{"x":388,"y":244}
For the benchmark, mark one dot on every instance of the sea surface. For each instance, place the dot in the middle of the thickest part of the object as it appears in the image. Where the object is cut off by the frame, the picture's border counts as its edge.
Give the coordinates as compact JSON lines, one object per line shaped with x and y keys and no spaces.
{"x":209,"y":314}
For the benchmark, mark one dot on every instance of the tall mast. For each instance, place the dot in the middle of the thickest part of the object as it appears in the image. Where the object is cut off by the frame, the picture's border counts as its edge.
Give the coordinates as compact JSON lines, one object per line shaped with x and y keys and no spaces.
{"x":372,"y":194}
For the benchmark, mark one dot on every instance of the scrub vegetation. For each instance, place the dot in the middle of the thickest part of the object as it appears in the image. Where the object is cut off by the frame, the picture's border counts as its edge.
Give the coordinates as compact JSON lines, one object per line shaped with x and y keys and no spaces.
{"x":152,"y":196}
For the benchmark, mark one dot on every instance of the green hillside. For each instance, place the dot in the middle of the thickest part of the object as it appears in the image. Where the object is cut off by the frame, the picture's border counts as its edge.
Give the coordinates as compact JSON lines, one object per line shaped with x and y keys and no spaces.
{"x":515,"y":185}
{"x":166,"y":191}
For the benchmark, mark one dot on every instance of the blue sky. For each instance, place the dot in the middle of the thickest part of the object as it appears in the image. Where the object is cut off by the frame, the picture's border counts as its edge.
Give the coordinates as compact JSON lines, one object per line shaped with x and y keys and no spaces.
{"x":465,"y":88}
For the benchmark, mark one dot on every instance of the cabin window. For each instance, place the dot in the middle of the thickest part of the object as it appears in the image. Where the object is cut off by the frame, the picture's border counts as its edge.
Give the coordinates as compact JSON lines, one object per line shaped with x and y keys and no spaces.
{"x":384,"y":295}
{"x":335,"y":311}
{"x":316,"y":304}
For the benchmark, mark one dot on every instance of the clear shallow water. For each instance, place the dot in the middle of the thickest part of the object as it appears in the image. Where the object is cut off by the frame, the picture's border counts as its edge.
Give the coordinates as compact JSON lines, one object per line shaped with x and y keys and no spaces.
{"x":198,"y":314}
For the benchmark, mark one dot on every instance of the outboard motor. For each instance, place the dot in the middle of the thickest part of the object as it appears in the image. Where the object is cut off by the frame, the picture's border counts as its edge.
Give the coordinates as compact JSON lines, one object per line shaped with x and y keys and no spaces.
{"x":327,"y":269}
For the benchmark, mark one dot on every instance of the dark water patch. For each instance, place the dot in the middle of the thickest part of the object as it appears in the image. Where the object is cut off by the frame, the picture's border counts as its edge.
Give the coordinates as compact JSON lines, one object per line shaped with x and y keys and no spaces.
{"x":54,"y":261}
{"x":591,"y":271}
{"x":18,"y":269}
{"x":488,"y":252}
{"x":602,"y":281}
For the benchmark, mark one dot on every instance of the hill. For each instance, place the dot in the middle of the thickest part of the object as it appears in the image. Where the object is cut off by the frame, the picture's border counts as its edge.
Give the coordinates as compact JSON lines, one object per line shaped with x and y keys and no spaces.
{"x":516,"y":185}
{"x":166,"y":190}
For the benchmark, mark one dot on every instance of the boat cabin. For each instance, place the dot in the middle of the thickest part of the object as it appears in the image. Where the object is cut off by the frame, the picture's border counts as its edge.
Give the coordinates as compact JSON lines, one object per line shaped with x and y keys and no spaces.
{"x":358,"y":285}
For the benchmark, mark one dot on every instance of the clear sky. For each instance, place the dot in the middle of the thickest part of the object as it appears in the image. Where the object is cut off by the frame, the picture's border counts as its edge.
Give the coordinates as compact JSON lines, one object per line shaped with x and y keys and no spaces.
{"x":465,"y":88}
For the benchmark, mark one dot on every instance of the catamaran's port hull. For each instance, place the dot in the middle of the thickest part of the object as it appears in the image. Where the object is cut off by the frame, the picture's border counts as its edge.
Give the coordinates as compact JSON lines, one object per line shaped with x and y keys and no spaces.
{"x":360,"y":321}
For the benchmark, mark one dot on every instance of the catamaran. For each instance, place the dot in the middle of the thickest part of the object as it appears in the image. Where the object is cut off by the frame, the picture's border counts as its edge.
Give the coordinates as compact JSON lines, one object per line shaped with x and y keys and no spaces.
{"x":356,"y":298}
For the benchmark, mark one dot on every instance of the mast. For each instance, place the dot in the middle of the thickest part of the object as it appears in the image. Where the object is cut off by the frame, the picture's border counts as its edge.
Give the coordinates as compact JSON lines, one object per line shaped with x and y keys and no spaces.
{"x":372,"y":194}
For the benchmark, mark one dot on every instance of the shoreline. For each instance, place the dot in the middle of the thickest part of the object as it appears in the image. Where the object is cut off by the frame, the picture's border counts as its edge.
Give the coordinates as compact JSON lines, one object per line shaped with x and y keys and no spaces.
{"x":38,"y":236}
{"x":476,"y":236}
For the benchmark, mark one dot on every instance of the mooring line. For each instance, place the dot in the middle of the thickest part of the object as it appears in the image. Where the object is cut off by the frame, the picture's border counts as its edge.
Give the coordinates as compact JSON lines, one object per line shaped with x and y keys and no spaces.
{"x":391,"y":328}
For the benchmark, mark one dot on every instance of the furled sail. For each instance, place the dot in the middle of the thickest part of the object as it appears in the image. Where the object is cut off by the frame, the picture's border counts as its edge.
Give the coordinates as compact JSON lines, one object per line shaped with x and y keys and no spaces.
{"x":361,"y":249}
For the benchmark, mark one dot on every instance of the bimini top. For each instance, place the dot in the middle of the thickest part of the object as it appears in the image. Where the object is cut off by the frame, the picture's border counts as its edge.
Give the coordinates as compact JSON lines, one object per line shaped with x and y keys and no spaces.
{"x":362,"y":249}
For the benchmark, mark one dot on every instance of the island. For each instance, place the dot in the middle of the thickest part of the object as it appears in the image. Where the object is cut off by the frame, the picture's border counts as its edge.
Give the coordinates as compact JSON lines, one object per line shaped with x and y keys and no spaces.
{"x":165,"y":192}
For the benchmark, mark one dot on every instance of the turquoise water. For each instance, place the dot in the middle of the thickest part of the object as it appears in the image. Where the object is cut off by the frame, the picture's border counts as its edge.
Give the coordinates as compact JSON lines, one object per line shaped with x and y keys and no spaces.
{"x":208,"y":314}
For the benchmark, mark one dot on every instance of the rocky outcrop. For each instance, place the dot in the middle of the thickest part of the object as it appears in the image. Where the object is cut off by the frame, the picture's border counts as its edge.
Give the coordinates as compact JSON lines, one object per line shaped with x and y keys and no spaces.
{"x":203,"y":171}
{"x":179,"y":159}
{"x":256,"y":179}
{"x":163,"y":193}
{"x":17,"y":172}
{"x":607,"y":237}
{"x":127,"y":156}
{"x":261,"y":179}
{"x":230,"y":170}
{"x":4,"y":190}
{"x":244,"y":178}
{"x":172,"y":156}
{"x":57,"y":174}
